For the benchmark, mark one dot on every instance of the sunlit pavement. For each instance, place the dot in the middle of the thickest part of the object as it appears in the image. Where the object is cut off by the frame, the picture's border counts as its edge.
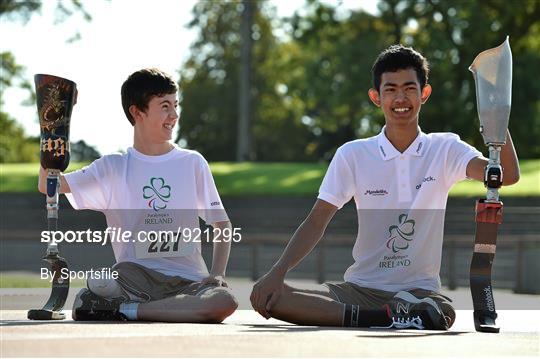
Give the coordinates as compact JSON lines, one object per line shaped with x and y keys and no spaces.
{"x":246,"y":334}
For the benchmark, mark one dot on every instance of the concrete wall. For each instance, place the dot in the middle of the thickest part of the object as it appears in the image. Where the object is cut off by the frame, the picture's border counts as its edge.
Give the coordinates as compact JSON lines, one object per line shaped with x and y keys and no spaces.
{"x":267,"y":224}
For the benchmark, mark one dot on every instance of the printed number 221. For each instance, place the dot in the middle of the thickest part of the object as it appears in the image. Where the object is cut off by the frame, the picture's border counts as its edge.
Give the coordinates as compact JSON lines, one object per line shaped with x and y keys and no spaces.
{"x":165,"y":240}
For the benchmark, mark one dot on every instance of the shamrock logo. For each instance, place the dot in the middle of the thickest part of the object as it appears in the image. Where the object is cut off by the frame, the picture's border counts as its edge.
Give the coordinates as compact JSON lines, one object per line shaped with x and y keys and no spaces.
{"x":400,"y":235}
{"x":158,"y":193}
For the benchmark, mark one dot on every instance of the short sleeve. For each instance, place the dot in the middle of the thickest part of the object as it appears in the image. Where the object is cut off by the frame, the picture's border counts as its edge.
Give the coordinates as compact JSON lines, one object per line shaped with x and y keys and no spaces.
{"x":459,"y":155}
{"x":88,"y":187}
{"x":338,"y":184}
{"x":209,"y":204}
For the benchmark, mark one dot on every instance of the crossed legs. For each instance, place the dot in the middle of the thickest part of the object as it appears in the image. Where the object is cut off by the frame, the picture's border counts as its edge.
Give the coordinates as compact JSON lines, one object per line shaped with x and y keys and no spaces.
{"x":308,"y":307}
{"x":210,"y":305}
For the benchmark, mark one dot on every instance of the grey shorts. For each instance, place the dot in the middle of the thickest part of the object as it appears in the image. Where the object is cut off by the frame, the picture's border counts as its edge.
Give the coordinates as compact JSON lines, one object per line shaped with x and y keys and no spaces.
{"x":369,"y":298}
{"x":140,"y":284}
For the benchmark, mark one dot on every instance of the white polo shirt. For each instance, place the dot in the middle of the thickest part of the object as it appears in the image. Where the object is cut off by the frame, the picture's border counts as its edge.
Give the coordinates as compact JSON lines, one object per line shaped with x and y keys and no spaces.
{"x":142,"y":194}
{"x":401,"y":200}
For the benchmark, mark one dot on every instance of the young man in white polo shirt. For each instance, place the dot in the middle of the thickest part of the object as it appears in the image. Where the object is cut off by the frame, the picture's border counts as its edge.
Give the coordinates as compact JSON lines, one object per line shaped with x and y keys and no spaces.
{"x":156,"y":191}
{"x":400,"y":181}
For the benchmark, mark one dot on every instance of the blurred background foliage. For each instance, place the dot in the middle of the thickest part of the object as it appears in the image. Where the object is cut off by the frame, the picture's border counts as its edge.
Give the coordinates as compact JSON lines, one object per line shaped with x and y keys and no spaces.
{"x":311,"y":73}
{"x":15,"y":145}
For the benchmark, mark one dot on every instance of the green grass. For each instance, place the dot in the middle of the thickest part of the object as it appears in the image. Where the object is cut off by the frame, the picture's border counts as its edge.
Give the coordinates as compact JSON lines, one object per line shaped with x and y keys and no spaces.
{"x":275,"y":179}
{"x":30,"y":280}
{"x":23,"y":177}
{"x":528,"y":185}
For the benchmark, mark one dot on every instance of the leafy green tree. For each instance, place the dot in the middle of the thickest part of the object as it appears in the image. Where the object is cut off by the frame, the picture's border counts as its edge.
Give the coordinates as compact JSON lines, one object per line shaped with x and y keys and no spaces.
{"x":15,"y":146}
{"x":310,"y":83}
{"x":337,"y":54}
{"x":81,"y":152}
{"x":19,"y":10}
{"x":450,"y":35}
{"x":333,"y":67}
{"x":209,"y":88}
{"x":12,"y":74}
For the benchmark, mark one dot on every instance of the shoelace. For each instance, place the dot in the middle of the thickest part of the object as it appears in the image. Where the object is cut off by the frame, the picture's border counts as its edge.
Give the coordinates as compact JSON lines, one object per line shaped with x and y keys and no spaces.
{"x":403,"y":323}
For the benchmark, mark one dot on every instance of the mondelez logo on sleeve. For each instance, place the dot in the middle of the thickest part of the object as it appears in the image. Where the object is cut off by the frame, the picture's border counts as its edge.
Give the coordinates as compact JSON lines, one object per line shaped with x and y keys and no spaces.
{"x":158,"y":193}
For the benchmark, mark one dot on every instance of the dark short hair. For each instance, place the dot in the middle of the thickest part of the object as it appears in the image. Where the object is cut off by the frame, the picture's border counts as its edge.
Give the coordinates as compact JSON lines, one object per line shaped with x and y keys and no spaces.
{"x":399,"y":57}
{"x":142,"y":85}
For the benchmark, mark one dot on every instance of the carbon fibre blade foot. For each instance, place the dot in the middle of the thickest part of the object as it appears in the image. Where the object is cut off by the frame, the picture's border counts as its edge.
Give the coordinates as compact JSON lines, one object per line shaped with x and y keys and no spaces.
{"x":44,"y":314}
{"x":485,"y":323}
{"x":59,"y":293}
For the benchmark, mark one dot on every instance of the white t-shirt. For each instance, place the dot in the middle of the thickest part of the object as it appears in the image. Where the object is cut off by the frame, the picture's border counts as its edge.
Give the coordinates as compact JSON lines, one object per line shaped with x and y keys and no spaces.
{"x":400,"y":199}
{"x":142,"y":194}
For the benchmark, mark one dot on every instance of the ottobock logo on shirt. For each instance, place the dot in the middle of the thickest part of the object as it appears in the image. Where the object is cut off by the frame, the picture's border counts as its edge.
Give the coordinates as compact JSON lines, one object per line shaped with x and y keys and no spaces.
{"x":376,"y":192}
{"x":427,"y":179}
{"x":158,"y":193}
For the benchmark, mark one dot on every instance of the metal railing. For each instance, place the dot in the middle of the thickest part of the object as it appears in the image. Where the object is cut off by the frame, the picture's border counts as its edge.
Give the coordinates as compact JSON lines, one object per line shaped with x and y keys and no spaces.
{"x":514,"y":267}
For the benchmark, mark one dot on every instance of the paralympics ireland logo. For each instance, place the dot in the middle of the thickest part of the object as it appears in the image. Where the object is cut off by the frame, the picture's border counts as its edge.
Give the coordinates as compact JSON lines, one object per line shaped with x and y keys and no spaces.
{"x":158,"y":193}
{"x":400,"y":235}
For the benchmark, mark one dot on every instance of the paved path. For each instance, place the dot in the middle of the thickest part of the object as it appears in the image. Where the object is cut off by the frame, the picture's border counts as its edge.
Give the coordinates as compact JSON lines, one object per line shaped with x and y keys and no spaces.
{"x":245,"y":334}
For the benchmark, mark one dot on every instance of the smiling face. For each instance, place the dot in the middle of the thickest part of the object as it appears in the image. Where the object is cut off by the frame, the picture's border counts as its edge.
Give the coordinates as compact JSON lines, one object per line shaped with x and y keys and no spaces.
{"x":157,"y":122}
{"x":400,"y":97}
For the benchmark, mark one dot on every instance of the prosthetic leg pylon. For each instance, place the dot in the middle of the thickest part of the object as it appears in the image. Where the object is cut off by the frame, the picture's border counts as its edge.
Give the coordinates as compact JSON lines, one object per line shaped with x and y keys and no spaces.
{"x":488,"y":217}
{"x":60,"y":284}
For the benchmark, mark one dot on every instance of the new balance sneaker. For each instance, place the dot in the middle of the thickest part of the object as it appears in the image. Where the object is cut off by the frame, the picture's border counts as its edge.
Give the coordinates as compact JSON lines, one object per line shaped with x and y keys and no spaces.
{"x":449,"y":313}
{"x":408,"y":312}
{"x":89,"y":306}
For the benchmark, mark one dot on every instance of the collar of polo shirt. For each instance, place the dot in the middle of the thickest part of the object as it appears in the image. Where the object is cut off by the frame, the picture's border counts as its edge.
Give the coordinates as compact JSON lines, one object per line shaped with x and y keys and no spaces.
{"x":388,"y":151}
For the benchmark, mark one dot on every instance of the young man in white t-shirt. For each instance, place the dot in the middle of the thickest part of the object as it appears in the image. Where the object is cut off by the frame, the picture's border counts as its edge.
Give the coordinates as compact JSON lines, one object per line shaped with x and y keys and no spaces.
{"x":156,"y":191}
{"x":400,"y":181}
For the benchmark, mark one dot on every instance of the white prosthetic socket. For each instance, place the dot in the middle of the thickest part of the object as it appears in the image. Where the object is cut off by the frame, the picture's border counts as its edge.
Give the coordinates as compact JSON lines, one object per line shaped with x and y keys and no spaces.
{"x":110,"y":289}
{"x":106,"y":288}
